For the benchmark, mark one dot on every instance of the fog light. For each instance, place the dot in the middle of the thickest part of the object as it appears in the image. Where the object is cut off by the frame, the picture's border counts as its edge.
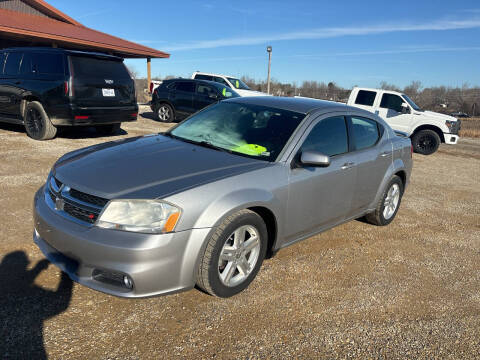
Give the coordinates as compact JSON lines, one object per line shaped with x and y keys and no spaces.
{"x":127,"y":282}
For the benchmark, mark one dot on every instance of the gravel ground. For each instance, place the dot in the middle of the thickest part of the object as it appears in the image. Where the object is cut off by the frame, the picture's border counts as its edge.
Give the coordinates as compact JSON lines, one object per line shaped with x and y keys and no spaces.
{"x":408,"y":290}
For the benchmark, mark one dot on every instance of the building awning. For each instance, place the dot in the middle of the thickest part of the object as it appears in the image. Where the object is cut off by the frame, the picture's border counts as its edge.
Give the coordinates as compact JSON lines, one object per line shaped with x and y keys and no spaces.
{"x":67,"y":33}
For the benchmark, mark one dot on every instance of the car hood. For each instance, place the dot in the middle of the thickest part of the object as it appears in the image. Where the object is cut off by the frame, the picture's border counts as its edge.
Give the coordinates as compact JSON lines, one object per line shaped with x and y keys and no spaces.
{"x":438,"y":116}
{"x":147,"y":167}
{"x":246,"y":93}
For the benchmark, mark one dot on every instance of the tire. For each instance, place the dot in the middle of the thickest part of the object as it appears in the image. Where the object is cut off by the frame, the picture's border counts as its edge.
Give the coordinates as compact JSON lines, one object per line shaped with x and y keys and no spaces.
{"x":37,"y":124}
{"x":108,"y":129}
{"x":164,"y":113}
{"x":225,"y":277}
{"x":381,"y":216}
{"x":426,"y":142}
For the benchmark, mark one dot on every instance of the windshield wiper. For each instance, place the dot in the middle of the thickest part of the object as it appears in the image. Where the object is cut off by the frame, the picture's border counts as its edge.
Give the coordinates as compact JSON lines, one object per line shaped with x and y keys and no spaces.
{"x":211,"y":146}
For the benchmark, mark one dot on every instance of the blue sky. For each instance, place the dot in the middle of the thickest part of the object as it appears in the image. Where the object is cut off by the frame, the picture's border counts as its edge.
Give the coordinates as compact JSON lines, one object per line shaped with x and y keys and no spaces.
{"x":349,"y":42}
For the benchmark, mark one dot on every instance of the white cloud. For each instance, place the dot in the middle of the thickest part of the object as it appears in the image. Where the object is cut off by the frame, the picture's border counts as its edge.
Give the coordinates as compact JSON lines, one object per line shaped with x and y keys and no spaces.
{"x":332,"y":32}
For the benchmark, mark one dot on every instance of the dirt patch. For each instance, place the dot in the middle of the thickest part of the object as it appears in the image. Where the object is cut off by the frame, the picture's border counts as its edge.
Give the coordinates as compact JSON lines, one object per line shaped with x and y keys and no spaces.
{"x":408,"y":290}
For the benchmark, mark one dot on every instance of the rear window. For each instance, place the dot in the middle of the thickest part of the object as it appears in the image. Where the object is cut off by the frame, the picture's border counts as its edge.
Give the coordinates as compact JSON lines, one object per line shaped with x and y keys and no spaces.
{"x":12,"y":66}
{"x":94,"y":67}
{"x":365,"y":97}
{"x":204,"y":77}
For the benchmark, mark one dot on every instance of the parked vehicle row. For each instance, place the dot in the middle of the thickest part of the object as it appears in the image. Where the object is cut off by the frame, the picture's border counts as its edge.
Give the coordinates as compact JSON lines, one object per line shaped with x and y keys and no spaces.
{"x":204,"y":203}
{"x":44,"y":88}
{"x":176,"y":99}
{"x":427,"y":129}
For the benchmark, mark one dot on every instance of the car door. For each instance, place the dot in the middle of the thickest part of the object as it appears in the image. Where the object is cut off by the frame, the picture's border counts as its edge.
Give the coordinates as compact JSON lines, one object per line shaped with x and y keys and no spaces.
{"x":391,"y":110}
{"x":320,"y":197}
{"x":204,"y":96}
{"x":11,"y":91}
{"x":372,"y":156}
{"x":182,"y":98}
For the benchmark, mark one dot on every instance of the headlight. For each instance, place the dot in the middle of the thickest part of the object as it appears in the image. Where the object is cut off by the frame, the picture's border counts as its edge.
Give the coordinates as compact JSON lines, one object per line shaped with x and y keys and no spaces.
{"x":145,"y":216}
{"x":450,"y":123}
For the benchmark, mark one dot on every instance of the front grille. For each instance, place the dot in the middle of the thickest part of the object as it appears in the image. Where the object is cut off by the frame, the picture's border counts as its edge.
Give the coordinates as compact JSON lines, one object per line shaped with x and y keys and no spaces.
{"x":80,"y":213}
{"x":91,"y":199}
{"x":79,"y":205}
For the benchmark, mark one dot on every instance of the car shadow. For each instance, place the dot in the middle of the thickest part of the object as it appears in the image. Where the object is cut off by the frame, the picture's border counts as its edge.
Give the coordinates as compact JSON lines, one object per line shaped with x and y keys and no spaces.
{"x":150,"y":115}
{"x":24,"y":306}
{"x":67,"y":132}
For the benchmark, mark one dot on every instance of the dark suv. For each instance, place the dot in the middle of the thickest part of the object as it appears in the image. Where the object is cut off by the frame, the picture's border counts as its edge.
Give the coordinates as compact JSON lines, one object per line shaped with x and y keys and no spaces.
{"x":43,"y":88}
{"x":176,"y":99}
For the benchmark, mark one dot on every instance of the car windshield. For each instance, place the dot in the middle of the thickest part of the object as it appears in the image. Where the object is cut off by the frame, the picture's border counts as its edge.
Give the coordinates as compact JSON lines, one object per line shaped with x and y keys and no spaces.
{"x":412,"y":104}
{"x":248,"y":130}
{"x":238,"y":84}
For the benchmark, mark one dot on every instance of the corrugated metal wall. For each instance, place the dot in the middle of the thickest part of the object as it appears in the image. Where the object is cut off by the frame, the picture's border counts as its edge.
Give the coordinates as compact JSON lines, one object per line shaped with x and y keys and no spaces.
{"x":20,"y":6}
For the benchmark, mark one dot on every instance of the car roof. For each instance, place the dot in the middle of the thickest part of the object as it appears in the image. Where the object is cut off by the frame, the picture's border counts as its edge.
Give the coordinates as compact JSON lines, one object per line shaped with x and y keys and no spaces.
{"x":378,"y":90}
{"x":300,"y":105}
{"x":61,"y":50}
{"x":212,"y":74}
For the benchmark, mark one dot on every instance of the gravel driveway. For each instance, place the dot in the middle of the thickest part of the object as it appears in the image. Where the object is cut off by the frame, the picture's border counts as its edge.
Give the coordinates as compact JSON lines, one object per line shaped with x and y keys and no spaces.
{"x":408,"y":290}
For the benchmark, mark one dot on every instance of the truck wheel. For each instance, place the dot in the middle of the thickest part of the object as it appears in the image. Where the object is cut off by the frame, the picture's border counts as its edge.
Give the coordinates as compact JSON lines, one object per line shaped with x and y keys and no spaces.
{"x":108,"y":129}
{"x":233,"y":255}
{"x":388,"y":204}
{"x":37,"y":124}
{"x":425,"y":142}
{"x":164,"y":113}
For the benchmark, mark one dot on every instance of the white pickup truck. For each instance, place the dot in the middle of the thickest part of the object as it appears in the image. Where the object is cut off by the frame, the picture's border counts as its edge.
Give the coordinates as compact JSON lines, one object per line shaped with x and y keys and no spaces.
{"x":427,"y":129}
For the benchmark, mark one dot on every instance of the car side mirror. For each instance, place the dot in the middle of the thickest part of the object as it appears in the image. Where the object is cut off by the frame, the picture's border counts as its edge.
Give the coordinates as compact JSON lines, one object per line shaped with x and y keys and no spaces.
{"x":405,"y":109}
{"x":314,"y":158}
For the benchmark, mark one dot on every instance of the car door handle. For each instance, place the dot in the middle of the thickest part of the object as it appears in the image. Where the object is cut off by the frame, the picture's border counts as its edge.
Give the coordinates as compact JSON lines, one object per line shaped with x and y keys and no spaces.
{"x":385,"y":153}
{"x":347,"y":165}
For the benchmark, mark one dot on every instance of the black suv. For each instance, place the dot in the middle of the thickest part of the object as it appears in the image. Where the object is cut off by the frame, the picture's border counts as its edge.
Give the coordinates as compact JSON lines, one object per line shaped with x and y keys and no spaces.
{"x":43,"y":88}
{"x":176,"y":99}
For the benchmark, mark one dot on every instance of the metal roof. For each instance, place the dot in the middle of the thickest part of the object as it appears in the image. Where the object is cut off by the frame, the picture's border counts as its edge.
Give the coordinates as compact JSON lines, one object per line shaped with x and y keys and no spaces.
{"x":68,"y":33}
{"x":301,"y":105}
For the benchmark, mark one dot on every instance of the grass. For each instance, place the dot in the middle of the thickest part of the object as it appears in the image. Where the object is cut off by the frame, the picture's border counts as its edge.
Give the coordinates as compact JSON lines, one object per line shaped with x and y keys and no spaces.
{"x":470,"y":127}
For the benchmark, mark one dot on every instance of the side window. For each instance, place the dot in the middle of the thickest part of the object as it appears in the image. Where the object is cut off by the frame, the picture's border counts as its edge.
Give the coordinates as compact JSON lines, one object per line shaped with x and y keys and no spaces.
{"x":365,"y":132}
{"x":2,"y":62}
{"x":221,"y":81}
{"x":328,"y":137}
{"x":391,"y":101}
{"x":44,"y":63}
{"x":365,"y":97}
{"x":186,"y":86}
{"x":205,"y":90}
{"x":204,"y":77}
{"x":171,"y":86}
{"x":12,"y":66}
{"x":26,"y":66}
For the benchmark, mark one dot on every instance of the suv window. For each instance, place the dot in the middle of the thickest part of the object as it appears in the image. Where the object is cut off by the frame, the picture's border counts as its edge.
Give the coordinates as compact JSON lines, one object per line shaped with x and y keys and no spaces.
{"x":90,"y":67}
{"x":221,"y":81}
{"x":204,"y":77}
{"x":44,"y":63}
{"x":12,"y":66}
{"x":365,"y":132}
{"x":186,"y":86}
{"x":328,"y":137}
{"x":391,"y":101}
{"x":365,"y":97}
{"x":2,"y":61}
{"x":205,"y":90}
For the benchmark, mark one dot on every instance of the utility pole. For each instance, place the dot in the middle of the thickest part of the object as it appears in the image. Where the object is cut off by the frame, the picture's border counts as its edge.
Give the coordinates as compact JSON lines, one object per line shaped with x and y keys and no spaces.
{"x":269,"y":50}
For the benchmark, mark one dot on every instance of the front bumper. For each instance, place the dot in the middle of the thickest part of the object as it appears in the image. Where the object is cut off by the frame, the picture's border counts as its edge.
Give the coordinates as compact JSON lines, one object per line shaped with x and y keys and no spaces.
{"x":451,"y":139}
{"x":157,"y":264}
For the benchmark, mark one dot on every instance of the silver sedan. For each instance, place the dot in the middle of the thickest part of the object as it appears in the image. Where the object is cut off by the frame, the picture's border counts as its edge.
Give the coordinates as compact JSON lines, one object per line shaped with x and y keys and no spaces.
{"x":206,"y":202}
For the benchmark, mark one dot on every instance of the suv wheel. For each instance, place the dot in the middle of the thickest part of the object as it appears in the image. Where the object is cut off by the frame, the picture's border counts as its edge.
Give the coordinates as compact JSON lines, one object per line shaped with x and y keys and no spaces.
{"x":425,"y":142}
{"x":233,"y":255}
{"x":388,"y":205}
{"x":109,"y":129}
{"x":164,"y":113}
{"x":37,"y":124}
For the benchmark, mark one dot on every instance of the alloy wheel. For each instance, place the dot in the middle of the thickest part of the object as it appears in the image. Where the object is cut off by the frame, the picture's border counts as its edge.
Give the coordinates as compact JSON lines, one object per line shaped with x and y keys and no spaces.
{"x":164,"y":113}
{"x":33,"y":122}
{"x":239,"y":255}
{"x":391,"y":201}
